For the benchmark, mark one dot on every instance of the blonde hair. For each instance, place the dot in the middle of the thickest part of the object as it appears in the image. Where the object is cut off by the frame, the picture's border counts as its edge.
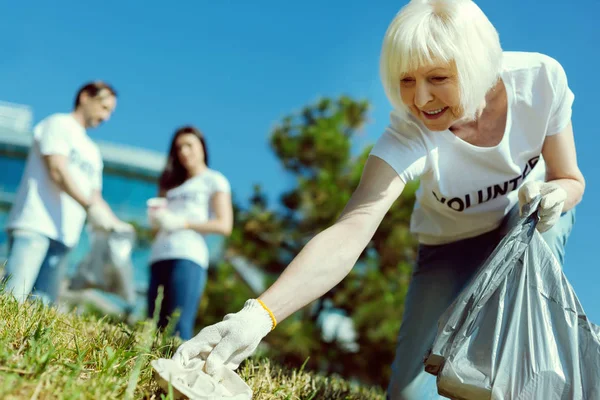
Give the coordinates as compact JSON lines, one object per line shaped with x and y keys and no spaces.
{"x":426,"y":32}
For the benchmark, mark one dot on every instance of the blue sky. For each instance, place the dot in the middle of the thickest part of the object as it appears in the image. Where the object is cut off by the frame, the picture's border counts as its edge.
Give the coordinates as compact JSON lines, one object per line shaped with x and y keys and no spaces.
{"x":236,"y":68}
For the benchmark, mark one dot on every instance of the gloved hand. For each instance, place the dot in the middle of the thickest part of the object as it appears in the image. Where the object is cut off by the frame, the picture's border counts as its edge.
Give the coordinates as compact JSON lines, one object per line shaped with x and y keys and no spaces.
{"x":228,"y":342}
{"x":100,"y":217}
{"x":194,"y":383}
{"x":122,"y":227}
{"x":553,"y":198}
{"x":169,"y":222}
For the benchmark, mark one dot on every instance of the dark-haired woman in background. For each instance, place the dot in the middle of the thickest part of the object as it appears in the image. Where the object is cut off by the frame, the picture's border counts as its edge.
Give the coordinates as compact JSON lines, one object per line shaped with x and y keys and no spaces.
{"x":198,"y":202}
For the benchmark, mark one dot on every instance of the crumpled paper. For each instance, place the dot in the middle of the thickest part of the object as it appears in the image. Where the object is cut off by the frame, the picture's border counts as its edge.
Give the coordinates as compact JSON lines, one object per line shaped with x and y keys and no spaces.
{"x":191,"y":382}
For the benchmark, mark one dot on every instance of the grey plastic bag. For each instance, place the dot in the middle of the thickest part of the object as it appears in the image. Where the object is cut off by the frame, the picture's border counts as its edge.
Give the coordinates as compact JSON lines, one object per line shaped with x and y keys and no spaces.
{"x":517,"y":331}
{"x":108,"y":266}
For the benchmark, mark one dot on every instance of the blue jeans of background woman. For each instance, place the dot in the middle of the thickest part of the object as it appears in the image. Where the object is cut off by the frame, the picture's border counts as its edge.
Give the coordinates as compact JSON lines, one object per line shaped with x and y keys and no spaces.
{"x":441,"y":272}
{"x":183,"y":283}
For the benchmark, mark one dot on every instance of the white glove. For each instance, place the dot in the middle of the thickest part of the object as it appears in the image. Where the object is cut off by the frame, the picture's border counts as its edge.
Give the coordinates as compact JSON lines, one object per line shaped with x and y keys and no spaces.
{"x":169,"y":222}
{"x":100,"y":217}
{"x":553,"y":198}
{"x":122,"y":227}
{"x":228,"y":342}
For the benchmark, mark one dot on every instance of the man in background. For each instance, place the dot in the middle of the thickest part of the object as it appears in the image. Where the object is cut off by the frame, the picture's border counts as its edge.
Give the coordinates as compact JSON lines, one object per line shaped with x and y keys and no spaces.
{"x":60,"y":187}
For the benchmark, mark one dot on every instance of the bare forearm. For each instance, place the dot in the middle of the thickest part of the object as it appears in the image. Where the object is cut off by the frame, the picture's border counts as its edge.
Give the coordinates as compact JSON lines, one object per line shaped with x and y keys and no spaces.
{"x":101,"y":200}
{"x":321,"y":265}
{"x":574,"y":189}
{"x":212,"y":226}
{"x":561,"y":165}
{"x":63,"y":180}
{"x":330,"y":255}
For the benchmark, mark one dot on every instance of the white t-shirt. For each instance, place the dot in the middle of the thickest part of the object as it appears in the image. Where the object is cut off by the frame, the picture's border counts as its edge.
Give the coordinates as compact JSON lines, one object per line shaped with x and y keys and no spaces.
{"x":40,"y":205}
{"x":191,"y":200}
{"x":466,"y":190}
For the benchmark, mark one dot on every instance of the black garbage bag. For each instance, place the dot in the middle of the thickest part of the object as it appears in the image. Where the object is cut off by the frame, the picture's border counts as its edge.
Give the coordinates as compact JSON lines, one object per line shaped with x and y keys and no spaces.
{"x":517,"y":331}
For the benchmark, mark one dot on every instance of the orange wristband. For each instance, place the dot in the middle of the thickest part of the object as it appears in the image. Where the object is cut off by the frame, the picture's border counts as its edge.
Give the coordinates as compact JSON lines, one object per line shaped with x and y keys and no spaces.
{"x":270,"y":313}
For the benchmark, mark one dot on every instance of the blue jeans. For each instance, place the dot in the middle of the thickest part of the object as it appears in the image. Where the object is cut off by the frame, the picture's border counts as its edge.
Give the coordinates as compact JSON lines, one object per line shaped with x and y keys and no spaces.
{"x":36,"y":265}
{"x":440,"y":274}
{"x":183,"y":283}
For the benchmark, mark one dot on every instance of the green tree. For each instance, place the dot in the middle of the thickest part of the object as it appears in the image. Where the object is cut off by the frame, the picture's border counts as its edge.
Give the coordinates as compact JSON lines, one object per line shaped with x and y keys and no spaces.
{"x":315,"y":146}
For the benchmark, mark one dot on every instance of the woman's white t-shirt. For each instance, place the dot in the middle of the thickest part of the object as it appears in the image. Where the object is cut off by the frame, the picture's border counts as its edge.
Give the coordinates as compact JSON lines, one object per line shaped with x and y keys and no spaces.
{"x":191,"y":200}
{"x":466,"y":190}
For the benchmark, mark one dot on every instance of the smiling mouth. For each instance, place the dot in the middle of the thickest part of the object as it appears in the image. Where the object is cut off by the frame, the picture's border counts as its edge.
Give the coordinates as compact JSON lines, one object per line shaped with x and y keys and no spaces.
{"x":434,"y":114}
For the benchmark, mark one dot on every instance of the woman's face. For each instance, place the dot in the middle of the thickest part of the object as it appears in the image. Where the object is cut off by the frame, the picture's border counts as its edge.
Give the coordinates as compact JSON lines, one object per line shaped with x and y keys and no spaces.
{"x":431,"y":93}
{"x":189,"y":151}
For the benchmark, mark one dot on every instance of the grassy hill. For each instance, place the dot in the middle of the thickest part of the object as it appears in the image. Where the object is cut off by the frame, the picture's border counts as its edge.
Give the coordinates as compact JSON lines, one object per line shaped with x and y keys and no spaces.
{"x":45,"y":354}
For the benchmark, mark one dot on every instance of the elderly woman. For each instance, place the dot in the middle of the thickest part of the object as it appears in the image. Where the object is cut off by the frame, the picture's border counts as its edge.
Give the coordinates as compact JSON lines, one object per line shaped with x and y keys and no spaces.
{"x":484,"y":131}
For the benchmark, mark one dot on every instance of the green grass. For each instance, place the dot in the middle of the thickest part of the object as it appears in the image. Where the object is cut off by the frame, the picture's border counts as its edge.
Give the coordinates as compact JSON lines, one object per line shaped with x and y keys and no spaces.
{"x":46,"y":354}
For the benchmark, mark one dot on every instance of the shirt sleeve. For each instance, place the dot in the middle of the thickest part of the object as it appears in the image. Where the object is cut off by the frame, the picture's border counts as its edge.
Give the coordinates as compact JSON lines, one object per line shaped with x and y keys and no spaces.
{"x":402,"y":147}
{"x":54,"y":138}
{"x":562,"y":98}
{"x":221,"y":184}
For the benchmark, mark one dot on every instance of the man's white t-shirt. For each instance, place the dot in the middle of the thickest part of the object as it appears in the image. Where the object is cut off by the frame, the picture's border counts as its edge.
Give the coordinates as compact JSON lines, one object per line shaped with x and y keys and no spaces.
{"x":466,"y":190}
{"x":191,"y":200}
{"x":40,"y":205}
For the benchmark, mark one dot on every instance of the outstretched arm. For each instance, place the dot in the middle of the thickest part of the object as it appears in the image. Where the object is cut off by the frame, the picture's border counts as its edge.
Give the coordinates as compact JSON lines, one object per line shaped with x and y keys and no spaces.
{"x":331,"y":254}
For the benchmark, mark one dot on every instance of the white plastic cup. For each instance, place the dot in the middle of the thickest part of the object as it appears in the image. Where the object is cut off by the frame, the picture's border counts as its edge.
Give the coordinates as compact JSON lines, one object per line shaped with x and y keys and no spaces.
{"x":154,"y":205}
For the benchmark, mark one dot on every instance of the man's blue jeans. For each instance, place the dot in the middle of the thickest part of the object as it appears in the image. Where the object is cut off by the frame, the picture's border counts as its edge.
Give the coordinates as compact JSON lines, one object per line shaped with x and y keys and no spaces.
{"x":36,"y":266}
